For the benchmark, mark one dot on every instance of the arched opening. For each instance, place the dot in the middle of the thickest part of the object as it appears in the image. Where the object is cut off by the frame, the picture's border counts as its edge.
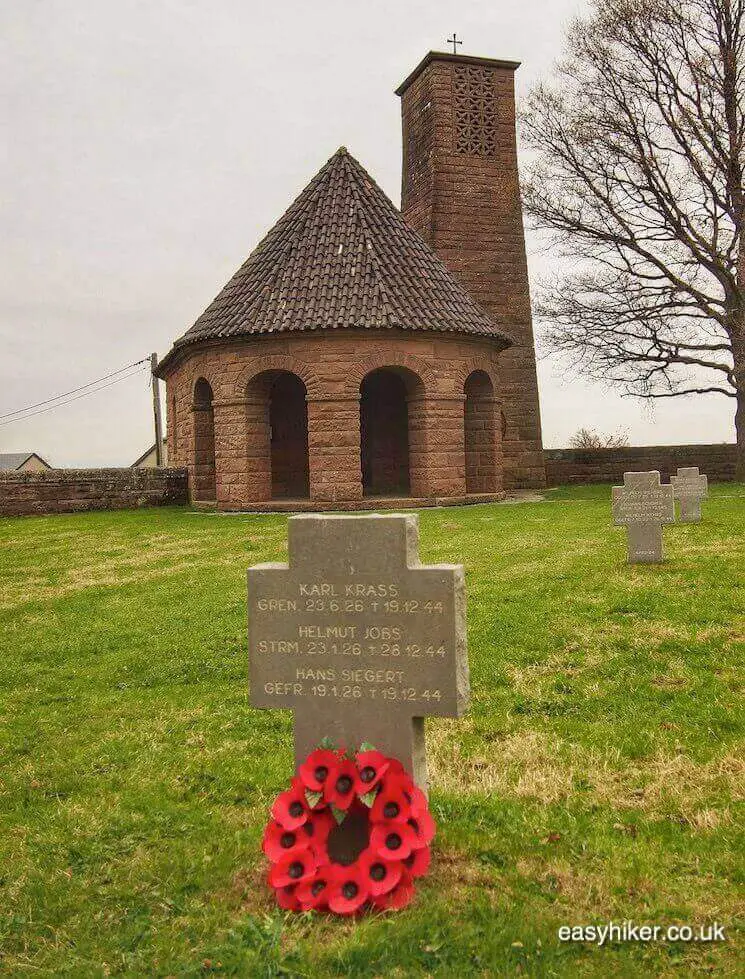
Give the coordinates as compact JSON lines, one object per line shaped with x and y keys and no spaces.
{"x":386,"y":442}
{"x":288,"y":425}
{"x":480,"y":434}
{"x":204,"y":442}
{"x":278,"y":436}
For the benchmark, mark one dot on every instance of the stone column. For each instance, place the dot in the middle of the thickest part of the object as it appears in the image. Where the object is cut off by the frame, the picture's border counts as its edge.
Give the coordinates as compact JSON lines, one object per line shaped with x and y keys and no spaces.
{"x":203,"y":469}
{"x":437,"y":446}
{"x":483,"y":445}
{"x":231,"y":463}
{"x":418,"y":448}
{"x":334,"y":449}
{"x":257,"y":440}
{"x":497,"y":416}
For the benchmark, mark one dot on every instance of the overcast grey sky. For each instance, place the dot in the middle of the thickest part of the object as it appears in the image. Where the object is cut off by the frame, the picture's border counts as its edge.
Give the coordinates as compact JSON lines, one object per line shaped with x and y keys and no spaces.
{"x":151,"y":143}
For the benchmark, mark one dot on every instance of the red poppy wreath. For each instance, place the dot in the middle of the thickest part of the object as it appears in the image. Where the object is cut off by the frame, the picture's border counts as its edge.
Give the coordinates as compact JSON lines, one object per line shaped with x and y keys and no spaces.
{"x":351,"y":831}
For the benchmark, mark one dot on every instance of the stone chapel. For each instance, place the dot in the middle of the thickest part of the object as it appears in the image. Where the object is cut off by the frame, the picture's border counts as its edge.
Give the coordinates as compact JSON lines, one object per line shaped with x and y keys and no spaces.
{"x":362,"y":352}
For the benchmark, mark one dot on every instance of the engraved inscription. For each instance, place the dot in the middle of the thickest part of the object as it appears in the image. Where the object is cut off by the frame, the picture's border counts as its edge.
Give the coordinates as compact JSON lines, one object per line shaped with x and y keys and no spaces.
{"x":643,"y":505}
{"x":357,"y":636}
{"x":690,"y":488}
{"x":386,"y":622}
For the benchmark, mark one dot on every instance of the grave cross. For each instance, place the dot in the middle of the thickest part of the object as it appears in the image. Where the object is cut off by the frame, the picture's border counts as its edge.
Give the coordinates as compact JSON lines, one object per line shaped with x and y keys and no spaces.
{"x":642,"y":505}
{"x":689,"y":488}
{"x":358,"y":637}
{"x":454,"y":41}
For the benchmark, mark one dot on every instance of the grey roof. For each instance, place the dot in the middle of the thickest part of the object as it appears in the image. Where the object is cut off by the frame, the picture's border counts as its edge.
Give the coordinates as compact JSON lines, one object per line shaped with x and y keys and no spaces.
{"x":14,"y":460}
{"x":341,"y":256}
{"x":147,"y":452}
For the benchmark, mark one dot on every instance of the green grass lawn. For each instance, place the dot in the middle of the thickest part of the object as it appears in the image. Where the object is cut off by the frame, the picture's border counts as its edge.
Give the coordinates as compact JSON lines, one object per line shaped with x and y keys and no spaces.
{"x":596,"y":777}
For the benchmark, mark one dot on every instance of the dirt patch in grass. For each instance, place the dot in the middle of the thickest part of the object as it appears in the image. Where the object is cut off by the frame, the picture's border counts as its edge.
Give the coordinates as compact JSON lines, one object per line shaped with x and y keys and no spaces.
{"x":576,"y":887}
{"x":530,"y":764}
{"x":460,"y":875}
{"x":576,"y":658}
{"x":666,"y":784}
{"x":248,"y":892}
{"x":523,"y":764}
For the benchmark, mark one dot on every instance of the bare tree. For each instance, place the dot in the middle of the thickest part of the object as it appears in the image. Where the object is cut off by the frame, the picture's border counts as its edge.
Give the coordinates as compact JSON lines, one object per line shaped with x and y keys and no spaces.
{"x":638,"y":175}
{"x":588,"y":438}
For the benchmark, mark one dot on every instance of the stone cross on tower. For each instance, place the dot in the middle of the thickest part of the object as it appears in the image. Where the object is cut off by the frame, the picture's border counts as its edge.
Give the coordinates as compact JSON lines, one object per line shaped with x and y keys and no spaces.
{"x":689,"y":488}
{"x":358,"y":637}
{"x":642,"y":505}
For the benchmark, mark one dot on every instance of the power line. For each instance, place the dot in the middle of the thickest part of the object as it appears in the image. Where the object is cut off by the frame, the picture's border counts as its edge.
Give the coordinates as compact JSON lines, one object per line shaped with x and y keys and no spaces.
{"x":82,"y":387}
{"x":85,"y":394}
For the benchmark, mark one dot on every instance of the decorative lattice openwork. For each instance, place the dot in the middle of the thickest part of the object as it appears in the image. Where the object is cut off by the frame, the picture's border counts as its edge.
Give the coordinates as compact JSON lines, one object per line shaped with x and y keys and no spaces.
{"x":475,"y":110}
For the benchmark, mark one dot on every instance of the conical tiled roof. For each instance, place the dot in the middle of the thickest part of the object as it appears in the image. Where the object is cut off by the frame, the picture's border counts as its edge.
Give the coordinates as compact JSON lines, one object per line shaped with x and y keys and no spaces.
{"x":341,"y":256}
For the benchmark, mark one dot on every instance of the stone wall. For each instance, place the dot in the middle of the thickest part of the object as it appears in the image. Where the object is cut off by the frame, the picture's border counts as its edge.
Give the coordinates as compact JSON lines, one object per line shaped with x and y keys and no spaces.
{"x":70,"y":490}
{"x":565,"y":466}
{"x":332,"y":366}
{"x":461,"y":192}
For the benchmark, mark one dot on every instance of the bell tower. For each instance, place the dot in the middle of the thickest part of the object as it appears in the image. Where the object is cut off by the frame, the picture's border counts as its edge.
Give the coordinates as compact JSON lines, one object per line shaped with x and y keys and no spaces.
{"x":461,"y":192}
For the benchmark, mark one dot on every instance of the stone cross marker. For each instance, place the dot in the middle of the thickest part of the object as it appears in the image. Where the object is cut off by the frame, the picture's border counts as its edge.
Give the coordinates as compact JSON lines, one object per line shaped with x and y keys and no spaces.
{"x":357,"y":637}
{"x":689,"y":488}
{"x":642,"y":505}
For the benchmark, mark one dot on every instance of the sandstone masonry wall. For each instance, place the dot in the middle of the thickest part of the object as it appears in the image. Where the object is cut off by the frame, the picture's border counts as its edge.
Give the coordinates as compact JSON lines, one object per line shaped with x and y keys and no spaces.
{"x":332,"y":366}
{"x":72,"y":490}
{"x":461,"y":192}
{"x":565,"y":466}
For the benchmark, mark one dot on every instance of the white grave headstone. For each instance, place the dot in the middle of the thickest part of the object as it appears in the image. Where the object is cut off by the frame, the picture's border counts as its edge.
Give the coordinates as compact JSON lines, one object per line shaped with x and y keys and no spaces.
{"x":357,"y":637}
{"x":643,"y":505}
{"x":689,"y":488}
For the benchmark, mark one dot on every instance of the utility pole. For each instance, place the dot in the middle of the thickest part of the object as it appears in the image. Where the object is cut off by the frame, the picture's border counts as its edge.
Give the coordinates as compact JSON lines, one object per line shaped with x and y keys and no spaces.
{"x":156,"y":411}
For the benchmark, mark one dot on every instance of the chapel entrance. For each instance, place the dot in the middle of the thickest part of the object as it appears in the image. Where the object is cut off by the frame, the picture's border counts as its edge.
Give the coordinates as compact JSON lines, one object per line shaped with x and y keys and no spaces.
{"x":385,"y":436}
{"x":204,"y":483}
{"x":288,"y":428}
{"x":278,"y":436}
{"x":480,"y":434}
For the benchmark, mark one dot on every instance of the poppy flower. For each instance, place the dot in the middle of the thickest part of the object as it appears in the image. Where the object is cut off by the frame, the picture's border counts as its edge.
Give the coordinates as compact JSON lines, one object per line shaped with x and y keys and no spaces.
{"x":290,"y":808}
{"x":371,"y":767}
{"x":396,"y":768}
{"x":424,"y":828}
{"x":314,"y":892}
{"x":278,"y":840}
{"x":287,"y":898}
{"x":381,"y":875}
{"x":348,"y":890}
{"x":393,"y":841}
{"x":390,"y":838}
{"x":293,"y":868}
{"x":417,"y":863}
{"x":315,"y":833}
{"x":399,"y":897}
{"x":417,"y":799}
{"x":317,"y":768}
{"x":339,"y":790}
{"x":391,"y":803}
{"x":414,"y":795}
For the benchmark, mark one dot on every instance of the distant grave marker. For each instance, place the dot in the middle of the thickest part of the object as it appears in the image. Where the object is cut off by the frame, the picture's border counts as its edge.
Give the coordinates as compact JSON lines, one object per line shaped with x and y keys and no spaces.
{"x":643,"y":505}
{"x":357,"y":637}
{"x":689,"y":488}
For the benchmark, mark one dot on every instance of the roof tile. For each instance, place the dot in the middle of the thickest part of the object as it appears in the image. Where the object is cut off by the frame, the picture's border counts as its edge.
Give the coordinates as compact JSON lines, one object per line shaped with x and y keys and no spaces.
{"x":341,"y":256}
